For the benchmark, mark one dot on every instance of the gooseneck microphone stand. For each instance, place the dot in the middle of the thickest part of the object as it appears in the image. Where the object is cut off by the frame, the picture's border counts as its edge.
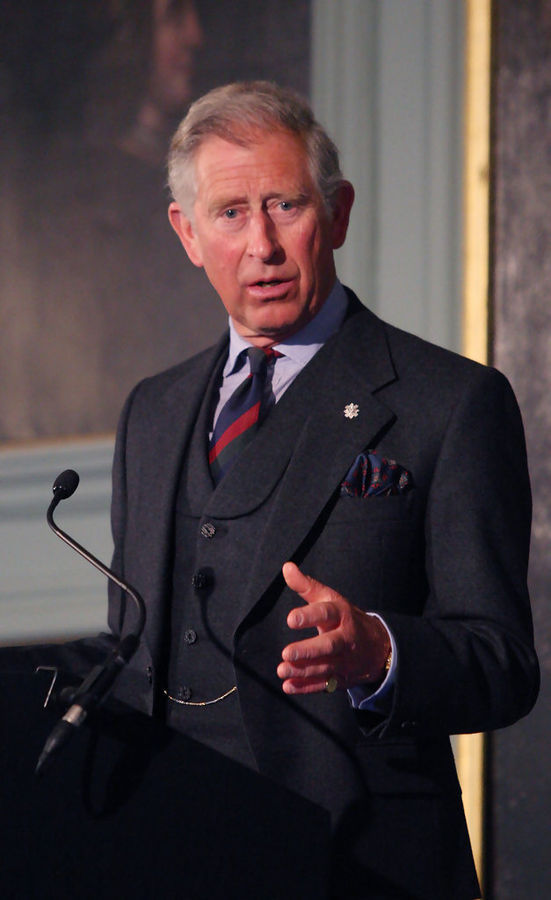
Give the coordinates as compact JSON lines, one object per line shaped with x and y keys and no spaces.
{"x":96,"y":685}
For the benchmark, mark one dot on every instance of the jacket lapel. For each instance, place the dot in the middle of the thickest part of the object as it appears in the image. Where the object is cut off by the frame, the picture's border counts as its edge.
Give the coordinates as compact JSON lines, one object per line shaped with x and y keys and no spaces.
{"x":351,"y":368}
{"x":175,"y":419}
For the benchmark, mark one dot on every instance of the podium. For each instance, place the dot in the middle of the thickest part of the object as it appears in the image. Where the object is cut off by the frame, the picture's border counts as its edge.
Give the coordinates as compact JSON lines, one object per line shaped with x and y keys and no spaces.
{"x":131,"y":809}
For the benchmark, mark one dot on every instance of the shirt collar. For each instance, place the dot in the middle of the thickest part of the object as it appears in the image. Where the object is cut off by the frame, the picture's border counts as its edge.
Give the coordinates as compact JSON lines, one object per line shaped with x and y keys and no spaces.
{"x":303,"y":345}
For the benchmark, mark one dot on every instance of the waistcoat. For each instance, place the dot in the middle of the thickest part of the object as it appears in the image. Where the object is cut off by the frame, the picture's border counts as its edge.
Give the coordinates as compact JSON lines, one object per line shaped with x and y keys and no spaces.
{"x":212,"y":560}
{"x":211,"y":563}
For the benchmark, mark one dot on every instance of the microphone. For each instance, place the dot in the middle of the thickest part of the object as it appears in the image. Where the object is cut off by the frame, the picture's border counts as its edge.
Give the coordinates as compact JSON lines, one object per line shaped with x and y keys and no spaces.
{"x":96,"y":685}
{"x":65,"y":484}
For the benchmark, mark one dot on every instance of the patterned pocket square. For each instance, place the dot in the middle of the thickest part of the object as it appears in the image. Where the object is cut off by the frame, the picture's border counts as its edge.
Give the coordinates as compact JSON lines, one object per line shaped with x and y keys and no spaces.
{"x":371,"y":476}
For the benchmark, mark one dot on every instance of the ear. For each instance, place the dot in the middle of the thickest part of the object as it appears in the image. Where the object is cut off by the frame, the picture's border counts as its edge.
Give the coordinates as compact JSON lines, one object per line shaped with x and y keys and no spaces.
{"x":185,"y":231}
{"x":344,"y":199}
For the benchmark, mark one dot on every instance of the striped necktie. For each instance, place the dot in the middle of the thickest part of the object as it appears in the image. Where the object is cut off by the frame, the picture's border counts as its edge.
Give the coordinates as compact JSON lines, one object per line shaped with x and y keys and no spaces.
{"x":241,"y":415}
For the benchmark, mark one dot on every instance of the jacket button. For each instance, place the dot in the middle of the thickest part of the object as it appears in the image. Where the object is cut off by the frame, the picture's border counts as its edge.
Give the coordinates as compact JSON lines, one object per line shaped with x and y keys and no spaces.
{"x":200,"y":580}
{"x":208,"y":530}
{"x":190,"y":636}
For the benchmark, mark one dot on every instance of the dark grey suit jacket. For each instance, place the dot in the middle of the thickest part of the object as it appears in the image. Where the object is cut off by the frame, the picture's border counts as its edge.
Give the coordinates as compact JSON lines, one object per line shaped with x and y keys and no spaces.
{"x":444,"y":564}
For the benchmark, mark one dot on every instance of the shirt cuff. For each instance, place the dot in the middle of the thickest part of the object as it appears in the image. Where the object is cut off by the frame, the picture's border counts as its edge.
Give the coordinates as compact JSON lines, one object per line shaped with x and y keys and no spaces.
{"x":380,"y":700}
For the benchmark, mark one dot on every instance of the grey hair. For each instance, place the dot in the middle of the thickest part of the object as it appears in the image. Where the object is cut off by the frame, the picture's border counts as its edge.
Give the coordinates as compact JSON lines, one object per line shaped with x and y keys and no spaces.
{"x":237,"y":113}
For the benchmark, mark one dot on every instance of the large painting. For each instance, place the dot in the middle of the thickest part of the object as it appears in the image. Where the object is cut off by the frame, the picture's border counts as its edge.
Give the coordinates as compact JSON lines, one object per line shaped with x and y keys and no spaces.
{"x":95,"y":289}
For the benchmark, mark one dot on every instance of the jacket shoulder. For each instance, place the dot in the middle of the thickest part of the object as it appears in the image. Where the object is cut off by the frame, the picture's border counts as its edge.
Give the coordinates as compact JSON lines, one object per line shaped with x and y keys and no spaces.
{"x":437,"y":369}
{"x":192,"y":368}
{"x":417,"y":357}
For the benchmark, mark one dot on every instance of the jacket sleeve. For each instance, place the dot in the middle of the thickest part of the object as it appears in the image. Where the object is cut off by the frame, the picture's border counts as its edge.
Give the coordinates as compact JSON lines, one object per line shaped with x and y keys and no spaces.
{"x":118,"y":601}
{"x":467,"y":663}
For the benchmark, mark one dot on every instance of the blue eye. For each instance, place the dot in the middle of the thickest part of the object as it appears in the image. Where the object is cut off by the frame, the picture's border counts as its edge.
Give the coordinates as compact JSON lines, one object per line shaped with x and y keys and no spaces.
{"x":230,"y":213}
{"x":286,"y":205}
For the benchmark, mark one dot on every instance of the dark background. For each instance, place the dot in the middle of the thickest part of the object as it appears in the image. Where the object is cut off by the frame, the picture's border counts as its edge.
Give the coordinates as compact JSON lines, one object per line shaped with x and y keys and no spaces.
{"x":95,"y":289}
{"x":519,"y":779}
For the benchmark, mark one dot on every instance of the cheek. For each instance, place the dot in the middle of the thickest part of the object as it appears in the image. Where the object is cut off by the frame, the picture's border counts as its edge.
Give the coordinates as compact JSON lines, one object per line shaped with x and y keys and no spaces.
{"x":307,"y":245}
{"x":221,"y":264}
{"x":215,"y":251}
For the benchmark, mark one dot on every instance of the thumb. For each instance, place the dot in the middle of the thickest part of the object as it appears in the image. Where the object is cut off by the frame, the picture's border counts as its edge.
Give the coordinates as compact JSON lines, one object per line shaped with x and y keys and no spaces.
{"x":301,"y":584}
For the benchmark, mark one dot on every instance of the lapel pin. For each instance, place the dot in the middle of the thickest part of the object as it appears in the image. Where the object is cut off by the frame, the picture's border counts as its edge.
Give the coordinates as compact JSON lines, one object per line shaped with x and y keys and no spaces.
{"x":351,"y":410}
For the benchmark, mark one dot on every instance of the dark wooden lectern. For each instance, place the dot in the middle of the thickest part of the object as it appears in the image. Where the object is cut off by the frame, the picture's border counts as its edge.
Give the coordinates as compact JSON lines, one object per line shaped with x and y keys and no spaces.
{"x":131,"y":809}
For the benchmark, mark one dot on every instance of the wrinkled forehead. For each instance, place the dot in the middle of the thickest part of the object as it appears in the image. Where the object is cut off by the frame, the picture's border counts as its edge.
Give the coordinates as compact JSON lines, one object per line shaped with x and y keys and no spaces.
{"x":292,"y":146}
{"x":237,"y":134}
{"x":264,"y":161}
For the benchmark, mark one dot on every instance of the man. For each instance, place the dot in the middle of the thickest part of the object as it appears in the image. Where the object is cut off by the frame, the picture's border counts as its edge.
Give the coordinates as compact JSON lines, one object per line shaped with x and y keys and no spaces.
{"x":329,"y":604}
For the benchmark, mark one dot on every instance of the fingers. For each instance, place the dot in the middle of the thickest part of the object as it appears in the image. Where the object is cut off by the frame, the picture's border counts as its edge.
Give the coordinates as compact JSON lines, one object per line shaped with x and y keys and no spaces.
{"x":295,"y":579}
{"x":349,"y":646}
{"x":308,"y":664}
{"x":304,"y":686}
{"x":314,"y":649}
{"x":322,"y":611}
{"x":322,"y":615}
{"x":305,"y":586}
{"x":303,"y":673}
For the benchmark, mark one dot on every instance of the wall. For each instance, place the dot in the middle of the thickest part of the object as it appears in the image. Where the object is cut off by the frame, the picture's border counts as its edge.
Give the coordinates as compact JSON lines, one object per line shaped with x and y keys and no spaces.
{"x":387,"y":81}
{"x":48,"y":592}
{"x":520,"y":795}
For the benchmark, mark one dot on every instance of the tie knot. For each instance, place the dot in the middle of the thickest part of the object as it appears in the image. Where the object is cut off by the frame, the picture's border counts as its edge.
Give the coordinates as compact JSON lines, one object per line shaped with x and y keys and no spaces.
{"x":260,"y":356}
{"x":271,"y":353}
{"x":257,"y":359}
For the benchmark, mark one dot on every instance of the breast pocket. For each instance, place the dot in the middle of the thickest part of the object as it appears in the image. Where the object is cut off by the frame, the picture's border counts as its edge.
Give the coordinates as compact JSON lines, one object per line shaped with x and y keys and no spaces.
{"x":372,"y":511}
{"x":366,"y":550}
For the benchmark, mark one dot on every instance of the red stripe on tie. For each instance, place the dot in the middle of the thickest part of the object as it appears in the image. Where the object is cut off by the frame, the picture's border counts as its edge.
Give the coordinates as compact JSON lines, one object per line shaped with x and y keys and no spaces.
{"x":240,"y":425}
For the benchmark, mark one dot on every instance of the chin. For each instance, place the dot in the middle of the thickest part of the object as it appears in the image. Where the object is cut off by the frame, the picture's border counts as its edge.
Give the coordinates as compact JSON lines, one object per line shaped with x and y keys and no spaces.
{"x":282,"y":325}
{"x":280,"y":330}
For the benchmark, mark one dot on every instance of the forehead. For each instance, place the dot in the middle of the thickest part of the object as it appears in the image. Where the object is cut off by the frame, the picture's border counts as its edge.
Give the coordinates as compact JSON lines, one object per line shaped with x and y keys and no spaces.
{"x":269,"y":162}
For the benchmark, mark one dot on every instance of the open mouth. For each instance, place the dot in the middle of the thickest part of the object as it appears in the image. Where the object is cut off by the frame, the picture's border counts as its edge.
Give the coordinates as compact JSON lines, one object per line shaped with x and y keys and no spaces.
{"x":270,"y":289}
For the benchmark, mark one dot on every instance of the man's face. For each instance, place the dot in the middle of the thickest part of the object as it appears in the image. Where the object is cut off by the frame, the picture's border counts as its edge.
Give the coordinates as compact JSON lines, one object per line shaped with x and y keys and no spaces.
{"x":262,"y":233}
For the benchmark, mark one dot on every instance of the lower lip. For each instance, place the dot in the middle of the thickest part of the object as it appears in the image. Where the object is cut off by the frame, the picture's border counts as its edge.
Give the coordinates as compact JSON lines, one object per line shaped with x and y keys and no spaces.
{"x":270,"y":291}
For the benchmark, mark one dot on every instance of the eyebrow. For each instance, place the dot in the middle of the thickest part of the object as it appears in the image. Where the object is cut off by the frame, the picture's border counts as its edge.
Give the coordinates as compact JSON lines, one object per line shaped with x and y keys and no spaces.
{"x":218,"y":204}
{"x":299,"y":196}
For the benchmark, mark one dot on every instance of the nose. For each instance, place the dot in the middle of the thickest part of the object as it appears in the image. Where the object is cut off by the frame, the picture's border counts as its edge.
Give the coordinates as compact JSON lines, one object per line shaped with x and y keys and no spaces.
{"x":262,"y":238}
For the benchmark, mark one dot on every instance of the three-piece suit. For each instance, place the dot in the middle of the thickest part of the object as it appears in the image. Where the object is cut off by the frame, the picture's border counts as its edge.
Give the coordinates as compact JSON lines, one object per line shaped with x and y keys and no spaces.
{"x":443,"y":562}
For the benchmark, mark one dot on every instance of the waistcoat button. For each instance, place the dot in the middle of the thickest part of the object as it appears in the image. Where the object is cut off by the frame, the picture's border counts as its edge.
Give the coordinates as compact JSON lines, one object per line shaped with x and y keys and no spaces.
{"x":208,"y":530}
{"x":200,"y":580}
{"x":183,"y":693}
{"x":190,"y":636}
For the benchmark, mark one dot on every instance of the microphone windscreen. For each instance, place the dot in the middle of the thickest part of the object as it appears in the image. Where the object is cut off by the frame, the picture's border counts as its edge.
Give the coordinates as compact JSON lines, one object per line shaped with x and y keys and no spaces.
{"x":66,"y":484}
